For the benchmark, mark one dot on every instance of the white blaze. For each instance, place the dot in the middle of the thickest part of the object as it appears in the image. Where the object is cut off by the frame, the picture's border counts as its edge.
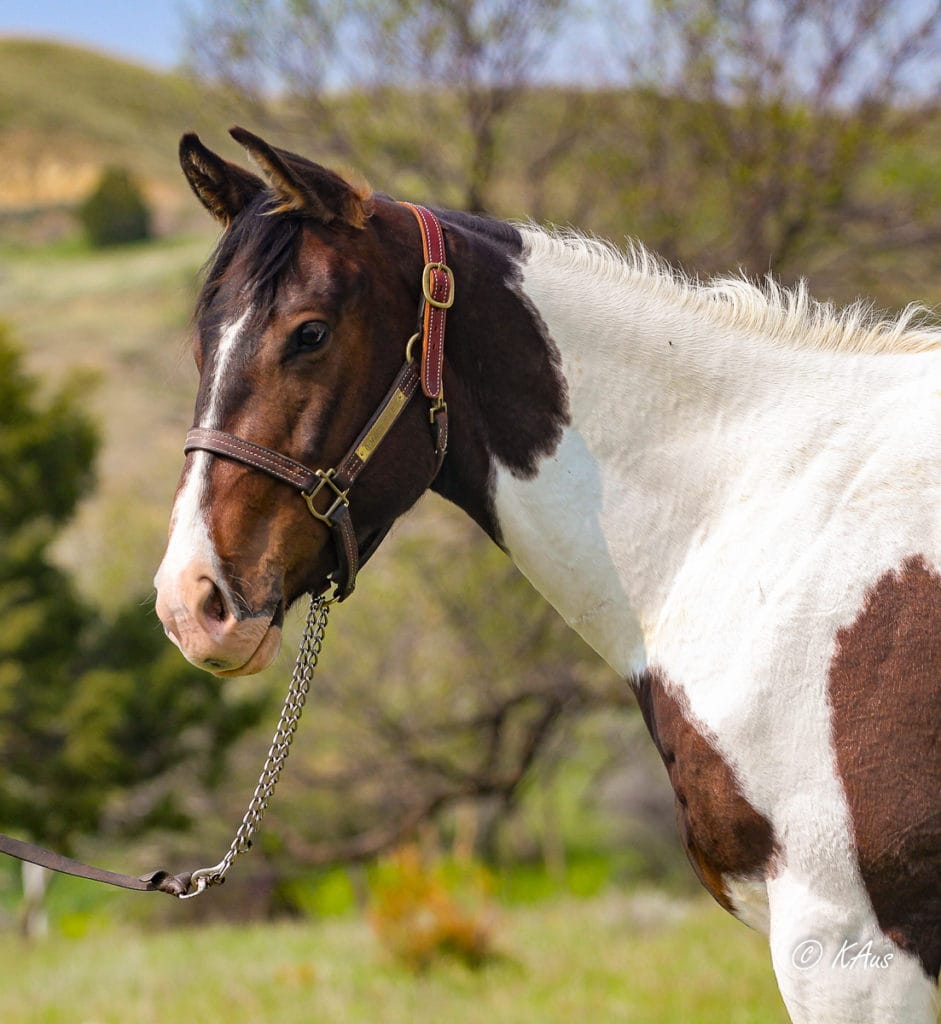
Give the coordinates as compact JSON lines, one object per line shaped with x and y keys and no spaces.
{"x":225,"y":350}
{"x":189,"y":543}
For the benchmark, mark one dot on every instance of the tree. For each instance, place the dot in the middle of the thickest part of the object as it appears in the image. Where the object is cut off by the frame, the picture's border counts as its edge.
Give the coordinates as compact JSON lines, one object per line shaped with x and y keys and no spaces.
{"x":427,"y":84}
{"x":98,"y":717}
{"x":483,"y":55}
{"x":779,"y":134}
{"x":466,"y":710}
{"x":116,"y":211}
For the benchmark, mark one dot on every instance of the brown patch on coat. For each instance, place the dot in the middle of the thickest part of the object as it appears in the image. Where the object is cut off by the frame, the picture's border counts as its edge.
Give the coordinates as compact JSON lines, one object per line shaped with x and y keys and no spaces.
{"x":885,"y":691}
{"x":721,"y":831}
{"x":506,"y":393}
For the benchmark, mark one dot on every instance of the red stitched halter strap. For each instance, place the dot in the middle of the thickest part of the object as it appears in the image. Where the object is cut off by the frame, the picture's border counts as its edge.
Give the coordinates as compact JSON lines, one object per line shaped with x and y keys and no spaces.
{"x":437,"y":297}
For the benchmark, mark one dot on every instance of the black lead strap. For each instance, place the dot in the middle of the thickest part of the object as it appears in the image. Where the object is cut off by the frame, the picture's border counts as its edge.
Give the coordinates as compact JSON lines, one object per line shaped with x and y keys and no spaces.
{"x":155,"y":881}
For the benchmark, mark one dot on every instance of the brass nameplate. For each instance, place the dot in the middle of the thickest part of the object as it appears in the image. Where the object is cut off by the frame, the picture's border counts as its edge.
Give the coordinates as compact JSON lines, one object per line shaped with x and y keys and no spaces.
{"x":381,"y":427}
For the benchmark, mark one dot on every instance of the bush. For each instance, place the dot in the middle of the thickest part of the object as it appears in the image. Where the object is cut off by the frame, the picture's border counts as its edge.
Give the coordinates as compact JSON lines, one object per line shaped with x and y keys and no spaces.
{"x":116,"y":211}
{"x":421,"y":914}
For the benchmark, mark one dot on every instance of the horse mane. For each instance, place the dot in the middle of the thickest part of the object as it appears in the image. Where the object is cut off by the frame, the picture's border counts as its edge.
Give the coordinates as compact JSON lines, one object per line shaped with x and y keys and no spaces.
{"x":786,"y":316}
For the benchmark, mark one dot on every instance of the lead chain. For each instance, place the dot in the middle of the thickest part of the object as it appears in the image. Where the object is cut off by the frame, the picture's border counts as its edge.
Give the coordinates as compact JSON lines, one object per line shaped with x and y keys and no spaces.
{"x":307,"y":657}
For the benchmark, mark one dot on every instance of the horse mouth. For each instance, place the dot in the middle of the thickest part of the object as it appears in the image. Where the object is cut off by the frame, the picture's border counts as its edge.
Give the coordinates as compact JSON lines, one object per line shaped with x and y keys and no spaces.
{"x":230,"y":648}
{"x":263,"y":655}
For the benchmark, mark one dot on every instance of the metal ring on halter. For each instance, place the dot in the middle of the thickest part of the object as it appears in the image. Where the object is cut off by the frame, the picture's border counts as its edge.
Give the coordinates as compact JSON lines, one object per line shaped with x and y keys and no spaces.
{"x":427,"y":285}
{"x":410,"y":346}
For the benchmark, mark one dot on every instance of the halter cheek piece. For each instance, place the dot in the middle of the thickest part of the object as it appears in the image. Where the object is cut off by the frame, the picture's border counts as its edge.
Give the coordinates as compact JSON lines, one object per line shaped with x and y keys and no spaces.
{"x":437,"y":296}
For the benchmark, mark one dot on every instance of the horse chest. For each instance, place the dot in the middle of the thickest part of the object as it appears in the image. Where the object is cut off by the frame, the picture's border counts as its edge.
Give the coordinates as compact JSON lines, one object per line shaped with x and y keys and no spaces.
{"x":724,"y":836}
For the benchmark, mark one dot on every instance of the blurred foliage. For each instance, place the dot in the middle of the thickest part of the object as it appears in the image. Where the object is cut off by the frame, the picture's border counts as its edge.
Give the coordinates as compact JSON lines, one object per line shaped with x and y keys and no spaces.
{"x":46,"y":458}
{"x":437,"y":699}
{"x":423,"y":912}
{"x":115,"y":211}
{"x":99,"y":718}
{"x":723,"y":134}
{"x":762,"y":135}
{"x":401,"y":64}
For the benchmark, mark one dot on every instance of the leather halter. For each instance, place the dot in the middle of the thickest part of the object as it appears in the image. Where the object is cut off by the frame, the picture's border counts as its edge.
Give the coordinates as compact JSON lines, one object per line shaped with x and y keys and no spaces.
{"x":437,"y":296}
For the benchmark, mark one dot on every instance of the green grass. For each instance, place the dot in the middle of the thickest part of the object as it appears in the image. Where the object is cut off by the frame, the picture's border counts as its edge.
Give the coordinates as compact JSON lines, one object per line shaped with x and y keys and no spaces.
{"x":642,"y":959}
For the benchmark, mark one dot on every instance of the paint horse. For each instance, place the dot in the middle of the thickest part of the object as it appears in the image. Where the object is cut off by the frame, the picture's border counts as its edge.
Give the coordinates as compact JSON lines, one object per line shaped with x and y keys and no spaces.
{"x":732,"y":493}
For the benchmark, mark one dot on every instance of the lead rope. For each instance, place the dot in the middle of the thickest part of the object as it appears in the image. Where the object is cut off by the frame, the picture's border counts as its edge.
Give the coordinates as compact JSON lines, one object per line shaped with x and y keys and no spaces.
{"x":307,"y":657}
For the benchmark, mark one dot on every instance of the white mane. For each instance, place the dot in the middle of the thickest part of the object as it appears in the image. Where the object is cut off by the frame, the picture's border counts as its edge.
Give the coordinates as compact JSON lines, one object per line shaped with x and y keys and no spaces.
{"x":787,"y":316}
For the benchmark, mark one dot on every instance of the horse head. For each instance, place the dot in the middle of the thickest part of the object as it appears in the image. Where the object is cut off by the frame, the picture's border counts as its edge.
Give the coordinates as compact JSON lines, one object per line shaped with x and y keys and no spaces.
{"x":301,"y":326}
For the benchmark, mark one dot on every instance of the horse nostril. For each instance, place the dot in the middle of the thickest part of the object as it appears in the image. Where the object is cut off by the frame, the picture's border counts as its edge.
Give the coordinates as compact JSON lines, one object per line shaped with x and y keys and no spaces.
{"x":214,"y":606}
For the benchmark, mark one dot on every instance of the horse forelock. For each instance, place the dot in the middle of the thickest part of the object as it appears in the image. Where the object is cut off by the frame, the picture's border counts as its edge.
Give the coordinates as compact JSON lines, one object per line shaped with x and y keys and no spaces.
{"x":262,"y":247}
{"x":242,"y":278}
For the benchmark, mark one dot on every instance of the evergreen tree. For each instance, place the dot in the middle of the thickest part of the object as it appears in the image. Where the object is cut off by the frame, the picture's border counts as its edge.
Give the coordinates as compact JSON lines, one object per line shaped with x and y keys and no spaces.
{"x":89,"y":708}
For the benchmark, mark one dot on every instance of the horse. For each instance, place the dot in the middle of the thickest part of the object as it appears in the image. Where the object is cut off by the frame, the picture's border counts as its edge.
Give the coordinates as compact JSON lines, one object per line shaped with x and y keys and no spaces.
{"x":729,"y":489}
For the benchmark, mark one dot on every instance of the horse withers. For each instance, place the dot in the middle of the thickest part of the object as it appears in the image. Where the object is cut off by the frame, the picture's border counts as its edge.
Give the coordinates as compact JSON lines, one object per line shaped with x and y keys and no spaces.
{"x":732,"y":492}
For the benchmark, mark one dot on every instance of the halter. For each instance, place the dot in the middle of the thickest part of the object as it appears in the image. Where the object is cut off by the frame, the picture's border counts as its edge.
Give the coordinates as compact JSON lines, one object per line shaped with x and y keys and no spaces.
{"x":437,"y":296}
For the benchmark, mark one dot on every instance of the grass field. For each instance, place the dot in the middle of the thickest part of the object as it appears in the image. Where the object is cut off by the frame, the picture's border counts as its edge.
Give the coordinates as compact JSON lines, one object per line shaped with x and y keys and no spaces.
{"x":629,"y":959}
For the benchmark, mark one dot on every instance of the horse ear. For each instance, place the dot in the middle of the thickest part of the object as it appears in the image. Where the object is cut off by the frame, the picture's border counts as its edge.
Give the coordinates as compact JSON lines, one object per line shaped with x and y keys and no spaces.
{"x":223,"y":188}
{"x":305,"y":187}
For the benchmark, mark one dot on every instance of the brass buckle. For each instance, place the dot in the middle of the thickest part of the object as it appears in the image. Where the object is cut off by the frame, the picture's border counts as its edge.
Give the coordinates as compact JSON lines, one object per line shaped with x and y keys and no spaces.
{"x":426,"y":285}
{"x":326,"y":480}
{"x":438,"y":405}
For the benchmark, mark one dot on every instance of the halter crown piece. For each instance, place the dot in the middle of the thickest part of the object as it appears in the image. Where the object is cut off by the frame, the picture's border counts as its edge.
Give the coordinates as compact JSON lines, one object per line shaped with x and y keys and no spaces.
{"x":437,"y":297}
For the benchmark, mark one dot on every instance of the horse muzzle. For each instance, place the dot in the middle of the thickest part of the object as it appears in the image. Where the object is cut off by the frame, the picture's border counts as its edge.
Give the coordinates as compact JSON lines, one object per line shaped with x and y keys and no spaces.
{"x":200,"y":618}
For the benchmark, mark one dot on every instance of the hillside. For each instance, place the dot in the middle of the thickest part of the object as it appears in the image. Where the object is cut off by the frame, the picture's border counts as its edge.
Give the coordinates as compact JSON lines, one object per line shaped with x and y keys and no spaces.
{"x":65,"y":112}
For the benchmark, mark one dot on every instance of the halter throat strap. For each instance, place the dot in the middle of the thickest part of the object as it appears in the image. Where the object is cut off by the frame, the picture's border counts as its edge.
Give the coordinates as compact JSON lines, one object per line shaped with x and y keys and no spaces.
{"x":326,"y":492}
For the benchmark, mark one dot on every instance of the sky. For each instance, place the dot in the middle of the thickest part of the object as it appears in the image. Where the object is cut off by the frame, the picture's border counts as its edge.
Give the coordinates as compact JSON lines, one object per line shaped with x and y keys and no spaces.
{"x":149,"y":32}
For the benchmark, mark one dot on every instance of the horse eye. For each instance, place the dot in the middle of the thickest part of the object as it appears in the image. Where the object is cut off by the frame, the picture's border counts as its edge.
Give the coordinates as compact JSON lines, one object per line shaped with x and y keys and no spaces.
{"x":311,"y":336}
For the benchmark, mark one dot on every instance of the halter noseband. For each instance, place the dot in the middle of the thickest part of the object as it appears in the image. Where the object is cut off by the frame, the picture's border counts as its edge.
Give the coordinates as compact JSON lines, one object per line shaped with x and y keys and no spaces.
{"x":437,"y":296}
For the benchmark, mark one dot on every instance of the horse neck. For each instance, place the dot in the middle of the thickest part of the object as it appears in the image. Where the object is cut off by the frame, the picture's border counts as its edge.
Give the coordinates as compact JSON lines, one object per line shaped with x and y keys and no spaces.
{"x":663,"y":415}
